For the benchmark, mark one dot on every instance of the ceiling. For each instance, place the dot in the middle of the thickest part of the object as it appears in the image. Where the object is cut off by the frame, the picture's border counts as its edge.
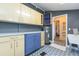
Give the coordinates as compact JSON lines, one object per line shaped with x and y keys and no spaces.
{"x":57,"y":6}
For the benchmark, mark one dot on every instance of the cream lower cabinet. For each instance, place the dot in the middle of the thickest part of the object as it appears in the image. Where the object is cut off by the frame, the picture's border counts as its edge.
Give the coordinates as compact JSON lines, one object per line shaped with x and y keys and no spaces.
{"x":6,"y":47}
{"x":12,"y":46}
{"x":19,"y":48}
{"x":19,"y":45}
{"x":42,"y":39}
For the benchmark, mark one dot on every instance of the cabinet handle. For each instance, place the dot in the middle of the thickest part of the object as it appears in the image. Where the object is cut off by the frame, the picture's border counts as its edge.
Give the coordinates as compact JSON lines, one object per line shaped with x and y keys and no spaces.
{"x":16,"y":44}
{"x":11,"y":45}
{"x":41,"y":19}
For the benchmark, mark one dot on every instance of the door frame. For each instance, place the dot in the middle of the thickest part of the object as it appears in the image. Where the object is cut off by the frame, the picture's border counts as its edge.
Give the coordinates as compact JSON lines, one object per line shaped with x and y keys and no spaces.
{"x":52,"y":19}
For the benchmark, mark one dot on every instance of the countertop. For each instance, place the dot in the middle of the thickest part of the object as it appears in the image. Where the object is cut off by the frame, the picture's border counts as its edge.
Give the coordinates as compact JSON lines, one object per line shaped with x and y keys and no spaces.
{"x":19,"y":33}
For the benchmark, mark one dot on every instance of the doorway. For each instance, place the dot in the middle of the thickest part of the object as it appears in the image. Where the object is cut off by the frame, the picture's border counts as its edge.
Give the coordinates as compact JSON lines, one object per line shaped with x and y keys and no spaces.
{"x":59,"y":30}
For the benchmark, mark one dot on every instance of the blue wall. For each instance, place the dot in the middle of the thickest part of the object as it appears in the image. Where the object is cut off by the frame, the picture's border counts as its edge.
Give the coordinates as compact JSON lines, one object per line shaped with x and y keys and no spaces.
{"x":14,"y":27}
{"x":28,"y":28}
{"x":73,"y":18}
{"x":8,"y":27}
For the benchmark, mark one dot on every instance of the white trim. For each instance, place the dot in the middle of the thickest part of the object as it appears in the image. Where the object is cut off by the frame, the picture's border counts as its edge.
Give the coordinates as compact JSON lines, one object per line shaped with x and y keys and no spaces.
{"x":66,"y":25}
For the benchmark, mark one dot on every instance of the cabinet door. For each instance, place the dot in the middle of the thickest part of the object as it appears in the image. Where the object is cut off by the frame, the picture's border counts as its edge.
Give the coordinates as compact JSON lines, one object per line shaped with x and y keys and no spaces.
{"x":37,"y":41}
{"x":9,"y":12}
{"x":38,"y":18}
{"x":29,"y":43}
{"x":25,"y":14}
{"x":19,"y":48}
{"x":33,"y":16}
{"x":6,"y":47}
{"x":42,"y":39}
{"x":19,"y":45}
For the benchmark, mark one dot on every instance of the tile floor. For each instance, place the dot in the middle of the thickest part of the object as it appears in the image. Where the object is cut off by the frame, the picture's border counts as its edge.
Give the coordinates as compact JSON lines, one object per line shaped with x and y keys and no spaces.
{"x":51,"y":51}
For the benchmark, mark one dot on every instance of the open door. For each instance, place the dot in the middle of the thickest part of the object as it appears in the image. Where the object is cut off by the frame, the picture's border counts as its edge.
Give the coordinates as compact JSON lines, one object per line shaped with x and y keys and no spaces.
{"x":59,"y":29}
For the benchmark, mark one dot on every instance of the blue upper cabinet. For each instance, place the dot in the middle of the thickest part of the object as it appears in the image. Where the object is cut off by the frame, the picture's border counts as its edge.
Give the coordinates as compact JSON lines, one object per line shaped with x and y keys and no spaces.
{"x":32,"y":42}
{"x":47,"y":19}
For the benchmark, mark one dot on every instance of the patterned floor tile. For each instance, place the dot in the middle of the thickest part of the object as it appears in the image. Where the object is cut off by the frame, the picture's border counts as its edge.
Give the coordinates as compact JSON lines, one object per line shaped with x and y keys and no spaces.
{"x":51,"y":51}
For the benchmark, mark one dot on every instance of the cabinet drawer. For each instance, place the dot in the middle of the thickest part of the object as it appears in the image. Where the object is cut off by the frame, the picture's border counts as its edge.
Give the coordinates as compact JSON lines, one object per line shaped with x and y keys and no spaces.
{"x":3,"y":39}
{"x":20,"y":36}
{"x":17,"y":37}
